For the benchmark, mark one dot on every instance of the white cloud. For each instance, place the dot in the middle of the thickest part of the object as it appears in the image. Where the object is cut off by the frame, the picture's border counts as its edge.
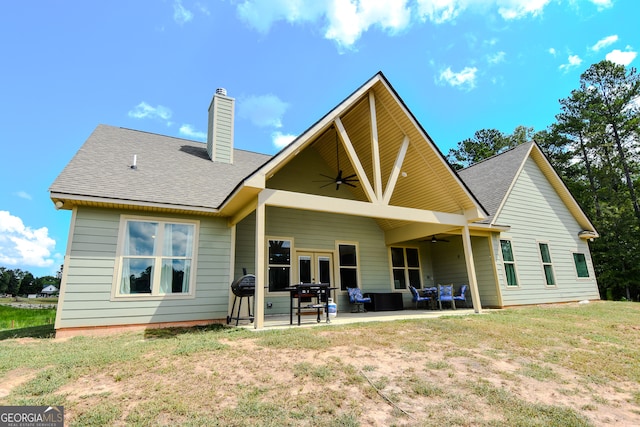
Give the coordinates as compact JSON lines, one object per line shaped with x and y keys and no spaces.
{"x":496,"y":58}
{"x":440,"y":11}
{"x":22,"y":246}
{"x":602,"y":4}
{"x":635,"y":103}
{"x":621,"y":58}
{"x":345,"y":21}
{"x":188,"y":131}
{"x":263,"y":110}
{"x":552,"y":51}
{"x":281,"y":140}
{"x":465,"y":79}
{"x":607,"y":41}
{"x":180,"y":14}
{"x":262,"y":14}
{"x":24,"y":195}
{"x":146,"y":111}
{"x":348,"y":19}
{"x":574,"y":61}
{"x":516,"y":9}
{"x":203,"y":8}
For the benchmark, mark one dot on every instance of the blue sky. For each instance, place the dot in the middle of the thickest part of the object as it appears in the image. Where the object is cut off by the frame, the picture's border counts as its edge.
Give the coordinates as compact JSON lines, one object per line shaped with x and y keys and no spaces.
{"x":153,"y":65}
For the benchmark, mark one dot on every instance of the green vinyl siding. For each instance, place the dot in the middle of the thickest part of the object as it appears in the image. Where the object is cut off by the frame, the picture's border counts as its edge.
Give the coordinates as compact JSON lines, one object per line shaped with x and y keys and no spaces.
{"x":319,"y":231}
{"x":535,"y":212}
{"x":449,"y":266}
{"x":90,"y":266}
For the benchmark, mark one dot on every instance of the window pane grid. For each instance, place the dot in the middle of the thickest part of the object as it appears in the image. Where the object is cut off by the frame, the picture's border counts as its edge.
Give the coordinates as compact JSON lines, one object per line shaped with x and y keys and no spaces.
{"x":509,"y":263}
{"x":581,"y":265}
{"x":405,"y":265}
{"x":279,"y":265}
{"x":348,"y":266}
{"x":151,"y":244}
{"x":546,"y":264}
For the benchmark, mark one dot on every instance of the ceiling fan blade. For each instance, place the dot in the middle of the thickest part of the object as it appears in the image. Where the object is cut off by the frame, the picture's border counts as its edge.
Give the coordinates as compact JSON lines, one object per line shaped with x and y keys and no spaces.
{"x":337,"y":185}
{"x":326,"y":185}
{"x":350,"y":176}
{"x":328,"y":177}
{"x":348,"y":183}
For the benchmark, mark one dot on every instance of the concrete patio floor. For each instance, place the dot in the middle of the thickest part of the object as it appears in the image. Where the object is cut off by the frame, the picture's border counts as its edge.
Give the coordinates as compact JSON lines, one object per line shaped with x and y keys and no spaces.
{"x":344,"y":318}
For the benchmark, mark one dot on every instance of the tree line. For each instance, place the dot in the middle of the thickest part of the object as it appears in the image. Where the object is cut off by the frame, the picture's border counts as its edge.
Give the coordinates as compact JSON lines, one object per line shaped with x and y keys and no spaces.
{"x":594,"y":145}
{"x":17,"y":282}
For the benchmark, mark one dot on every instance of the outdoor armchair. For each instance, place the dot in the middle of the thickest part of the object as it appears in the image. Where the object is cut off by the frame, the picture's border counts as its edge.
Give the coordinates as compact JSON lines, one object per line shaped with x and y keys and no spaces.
{"x":416,"y":298}
{"x":356,"y":298}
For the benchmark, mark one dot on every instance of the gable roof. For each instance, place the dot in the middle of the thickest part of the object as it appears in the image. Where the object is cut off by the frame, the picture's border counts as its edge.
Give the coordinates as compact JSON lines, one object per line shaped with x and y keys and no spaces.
{"x":376,"y":104}
{"x":176,"y":175}
{"x":171,"y":173}
{"x":492,"y":179}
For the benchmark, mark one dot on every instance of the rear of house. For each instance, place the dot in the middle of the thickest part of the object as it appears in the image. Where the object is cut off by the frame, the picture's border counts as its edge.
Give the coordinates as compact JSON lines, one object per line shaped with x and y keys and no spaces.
{"x":161,"y":226}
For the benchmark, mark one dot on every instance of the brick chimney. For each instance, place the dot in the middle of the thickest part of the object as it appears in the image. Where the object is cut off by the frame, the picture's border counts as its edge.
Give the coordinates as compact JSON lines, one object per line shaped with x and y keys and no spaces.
{"x":220,"y":128}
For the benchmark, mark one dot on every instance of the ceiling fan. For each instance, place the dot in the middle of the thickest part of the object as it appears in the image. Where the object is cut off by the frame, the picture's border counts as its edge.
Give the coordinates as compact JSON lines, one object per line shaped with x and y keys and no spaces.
{"x":436,"y":240}
{"x":339,"y":179}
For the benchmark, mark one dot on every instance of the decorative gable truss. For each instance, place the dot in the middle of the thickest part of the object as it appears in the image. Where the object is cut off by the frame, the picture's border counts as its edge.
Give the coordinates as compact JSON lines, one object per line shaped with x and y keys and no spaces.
{"x":402,"y":179}
{"x":404,"y":183}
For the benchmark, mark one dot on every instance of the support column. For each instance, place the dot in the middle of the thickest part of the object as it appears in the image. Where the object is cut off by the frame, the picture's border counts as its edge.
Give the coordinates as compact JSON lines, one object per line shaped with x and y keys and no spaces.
{"x":471,"y":269}
{"x":258,"y":300}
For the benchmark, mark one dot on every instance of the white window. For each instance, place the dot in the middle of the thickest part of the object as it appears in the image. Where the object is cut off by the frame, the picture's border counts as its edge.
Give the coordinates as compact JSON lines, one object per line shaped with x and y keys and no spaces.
{"x":157,"y":258}
{"x":405,"y":265}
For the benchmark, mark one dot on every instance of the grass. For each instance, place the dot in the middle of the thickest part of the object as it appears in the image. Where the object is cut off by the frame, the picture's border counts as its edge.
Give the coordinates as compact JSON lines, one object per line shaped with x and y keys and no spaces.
{"x":566,"y":365}
{"x":17,"y":318}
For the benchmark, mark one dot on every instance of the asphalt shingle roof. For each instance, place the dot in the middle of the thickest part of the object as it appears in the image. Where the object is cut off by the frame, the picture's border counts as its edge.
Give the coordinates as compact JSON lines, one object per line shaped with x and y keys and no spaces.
{"x":490,"y":179}
{"x":169,"y":171}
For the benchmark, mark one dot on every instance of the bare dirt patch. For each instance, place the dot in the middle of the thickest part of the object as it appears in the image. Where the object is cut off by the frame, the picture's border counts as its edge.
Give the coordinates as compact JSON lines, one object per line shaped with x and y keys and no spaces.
{"x":389,"y":386}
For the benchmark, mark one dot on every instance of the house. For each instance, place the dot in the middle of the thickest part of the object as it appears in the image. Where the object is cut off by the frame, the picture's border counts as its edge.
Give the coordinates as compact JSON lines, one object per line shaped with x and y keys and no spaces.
{"x":49,"y":290}
{"x":161,"y":226}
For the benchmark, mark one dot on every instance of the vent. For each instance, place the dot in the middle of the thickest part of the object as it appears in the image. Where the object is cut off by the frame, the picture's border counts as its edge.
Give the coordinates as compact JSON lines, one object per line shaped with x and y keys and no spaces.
{"x":221,"y":91}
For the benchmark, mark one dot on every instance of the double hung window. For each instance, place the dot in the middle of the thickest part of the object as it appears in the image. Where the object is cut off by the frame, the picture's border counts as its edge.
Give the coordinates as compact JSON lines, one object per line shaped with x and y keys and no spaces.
{"x":279,"y":265}
{"x":546,"y":264}
{"x":509,"y":263}
{"x":157,"y":258}
{"x":348,"y":266}
{"x":581,"y":264}
{"x":405,"y":263}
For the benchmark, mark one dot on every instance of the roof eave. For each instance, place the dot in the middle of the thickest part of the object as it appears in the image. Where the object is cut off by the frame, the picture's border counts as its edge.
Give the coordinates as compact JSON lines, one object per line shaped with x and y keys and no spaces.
{"x":68,"y":201}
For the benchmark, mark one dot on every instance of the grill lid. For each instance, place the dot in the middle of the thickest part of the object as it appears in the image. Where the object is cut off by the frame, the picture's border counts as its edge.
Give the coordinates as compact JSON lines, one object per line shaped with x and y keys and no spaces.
{"x":244,"y":286}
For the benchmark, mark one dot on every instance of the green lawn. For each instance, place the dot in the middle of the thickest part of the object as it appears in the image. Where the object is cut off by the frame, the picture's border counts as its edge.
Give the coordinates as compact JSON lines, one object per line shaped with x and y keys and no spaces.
{"x":17,"y":318}
{"x":564,"y":365}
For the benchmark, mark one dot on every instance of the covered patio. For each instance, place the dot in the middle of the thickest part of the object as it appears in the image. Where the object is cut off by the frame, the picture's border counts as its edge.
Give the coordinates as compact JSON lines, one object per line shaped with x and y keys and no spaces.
{"x":281,"y":321}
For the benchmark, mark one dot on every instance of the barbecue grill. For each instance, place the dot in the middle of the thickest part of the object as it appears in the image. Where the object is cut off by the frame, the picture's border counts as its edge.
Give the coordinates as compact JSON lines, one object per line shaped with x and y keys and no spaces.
{"x":243,"y":287}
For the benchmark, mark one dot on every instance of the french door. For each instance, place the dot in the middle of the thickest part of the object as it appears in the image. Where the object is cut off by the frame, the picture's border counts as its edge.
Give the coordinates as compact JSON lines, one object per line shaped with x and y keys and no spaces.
{"x":315,"y":267}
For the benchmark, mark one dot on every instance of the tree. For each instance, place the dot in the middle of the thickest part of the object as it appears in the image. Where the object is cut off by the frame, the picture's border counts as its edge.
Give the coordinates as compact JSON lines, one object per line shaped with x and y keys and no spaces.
{"x":15,"y":276}
{"x":484,"y":144}
{"x":28,"y":285}
{"x":594,"y":146}
{"x":610,"y":91}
